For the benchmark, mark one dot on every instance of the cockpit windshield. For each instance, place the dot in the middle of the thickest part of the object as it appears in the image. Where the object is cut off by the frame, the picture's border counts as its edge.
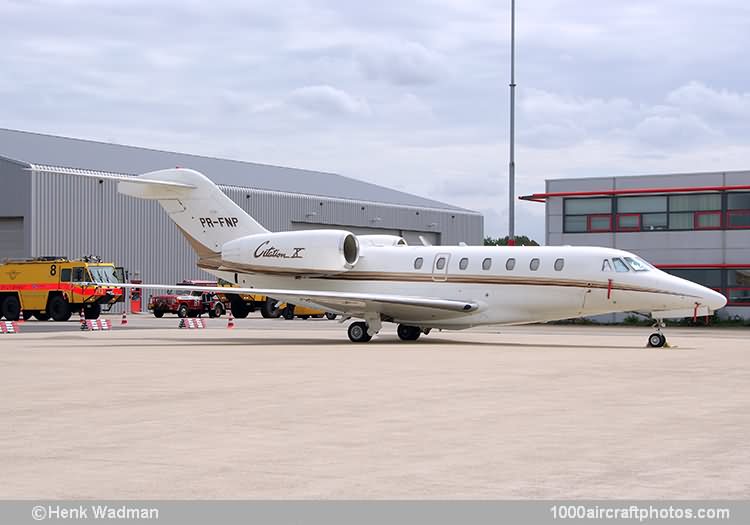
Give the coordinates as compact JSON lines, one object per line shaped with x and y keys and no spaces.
{"x":637,"y":264}
{"x":103,"y":274}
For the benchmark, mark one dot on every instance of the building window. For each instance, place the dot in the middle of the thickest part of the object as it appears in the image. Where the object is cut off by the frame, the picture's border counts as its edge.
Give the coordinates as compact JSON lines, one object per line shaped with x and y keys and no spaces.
{"x":487,"y":264}
{"x":559,"y":264}
{"x":620,"y":266}
{"x":599,"y":223}
{"x":583,"y":213}
{"x":628,"y":222}
{"x":418,"y":263}
{"x":738,"y":286}
{"x":738,"y":219}
{"x":534,"y":264}
{"x":654,"y":221}
{"x":463,"y":263}
{"x":707,"y":220}
{"x":510,"y":264}
{"x":440,"y":263}
{"x":649,"y":204}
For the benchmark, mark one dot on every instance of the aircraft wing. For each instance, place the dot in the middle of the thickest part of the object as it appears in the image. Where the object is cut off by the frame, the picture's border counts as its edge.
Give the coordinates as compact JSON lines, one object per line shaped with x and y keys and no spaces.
{"x":349,"y":303}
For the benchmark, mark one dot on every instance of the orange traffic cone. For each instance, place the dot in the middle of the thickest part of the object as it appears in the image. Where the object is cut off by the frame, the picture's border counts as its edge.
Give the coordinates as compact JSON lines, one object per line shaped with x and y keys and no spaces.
{"x":124,"y":320}
{"x":82,"y":319}
{"x":230,"y":321}
{"x":21,"y":320}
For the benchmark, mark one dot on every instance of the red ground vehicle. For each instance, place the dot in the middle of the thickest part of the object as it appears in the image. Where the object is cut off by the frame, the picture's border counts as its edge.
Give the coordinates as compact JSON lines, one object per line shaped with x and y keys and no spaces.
{"x":187,"y":304}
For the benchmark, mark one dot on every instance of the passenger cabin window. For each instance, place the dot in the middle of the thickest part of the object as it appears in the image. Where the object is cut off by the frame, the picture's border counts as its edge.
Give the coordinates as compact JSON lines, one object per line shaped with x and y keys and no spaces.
{"x":79,"y":275}
{"x":559,"y":264}
{"x":510,"y":264}
{"x":606,"y":267}
{"x":487,"y":264}
{"x":534,"y":264}
{"x":619,"y":265}
{"x":418,"y":263}
{"x":65,"y":275}
{"x":440,"y":264}
{"x":463,"y":263}
{"x":635,"y":264}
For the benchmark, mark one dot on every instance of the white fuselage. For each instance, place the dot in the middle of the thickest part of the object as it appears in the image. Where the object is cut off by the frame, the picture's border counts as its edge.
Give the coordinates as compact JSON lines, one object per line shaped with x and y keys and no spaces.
{"x":568,"y":282}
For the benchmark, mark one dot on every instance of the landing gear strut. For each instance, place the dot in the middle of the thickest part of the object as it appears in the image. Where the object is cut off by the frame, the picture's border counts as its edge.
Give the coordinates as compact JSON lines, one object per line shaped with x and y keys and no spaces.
{"x":657,"y":339}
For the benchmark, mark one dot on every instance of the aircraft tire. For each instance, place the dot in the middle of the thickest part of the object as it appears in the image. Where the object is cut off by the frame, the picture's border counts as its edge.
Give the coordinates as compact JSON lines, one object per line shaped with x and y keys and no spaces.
{"x":408,"y":333}
{"x":358,"y":332}
{"x":656,"y":340}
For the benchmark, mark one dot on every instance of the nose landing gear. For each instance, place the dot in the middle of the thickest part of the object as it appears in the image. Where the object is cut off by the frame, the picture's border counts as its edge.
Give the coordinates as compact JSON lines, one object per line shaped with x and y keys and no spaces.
{"x":657,"y":339}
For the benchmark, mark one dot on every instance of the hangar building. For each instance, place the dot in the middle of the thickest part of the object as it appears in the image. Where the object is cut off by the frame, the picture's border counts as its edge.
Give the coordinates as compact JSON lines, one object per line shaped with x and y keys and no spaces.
{"x":694,"y":225}
{"x":47,"y":213}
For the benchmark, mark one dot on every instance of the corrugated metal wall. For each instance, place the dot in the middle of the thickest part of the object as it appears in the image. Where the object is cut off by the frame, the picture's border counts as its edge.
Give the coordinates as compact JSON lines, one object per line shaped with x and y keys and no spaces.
{"x":76,"y":216}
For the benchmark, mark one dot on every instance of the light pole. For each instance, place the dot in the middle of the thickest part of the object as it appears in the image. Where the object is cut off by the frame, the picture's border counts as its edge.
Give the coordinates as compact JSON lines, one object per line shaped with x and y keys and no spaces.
{"x":512,"y":163}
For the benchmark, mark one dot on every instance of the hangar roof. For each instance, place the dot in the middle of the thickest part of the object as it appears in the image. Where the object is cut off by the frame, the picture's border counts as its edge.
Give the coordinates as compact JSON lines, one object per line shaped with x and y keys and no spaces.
{"x":51,"y":150}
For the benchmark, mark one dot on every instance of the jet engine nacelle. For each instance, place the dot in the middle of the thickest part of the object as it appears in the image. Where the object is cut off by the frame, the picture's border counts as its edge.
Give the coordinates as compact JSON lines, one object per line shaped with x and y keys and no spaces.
{"x":310,"y":251}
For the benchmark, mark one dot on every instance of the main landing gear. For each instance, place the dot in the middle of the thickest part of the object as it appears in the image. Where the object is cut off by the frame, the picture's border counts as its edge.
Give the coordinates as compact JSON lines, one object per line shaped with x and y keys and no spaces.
{"x":362,"y":332}
{"x":657,"y":339}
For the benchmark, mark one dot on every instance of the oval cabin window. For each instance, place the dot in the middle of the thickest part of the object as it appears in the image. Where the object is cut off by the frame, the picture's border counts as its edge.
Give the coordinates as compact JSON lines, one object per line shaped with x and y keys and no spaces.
{"x":534,"y":264}
{"x":487,"y":264}
{"x":418,"y":263}
{"x":559,"y":263}
{"x":510,"y":264}
{"x":463,"y":263}
{"x":440,"y":264}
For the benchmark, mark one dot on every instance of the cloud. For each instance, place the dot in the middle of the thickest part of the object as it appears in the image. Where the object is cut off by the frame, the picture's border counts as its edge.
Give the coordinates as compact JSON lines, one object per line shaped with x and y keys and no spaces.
{"x":402,"y":63}
{"x":327,"y":100}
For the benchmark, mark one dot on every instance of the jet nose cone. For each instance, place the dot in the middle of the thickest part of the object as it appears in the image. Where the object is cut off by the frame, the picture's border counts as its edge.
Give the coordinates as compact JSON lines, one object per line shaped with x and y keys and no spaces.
{"x":714,"y":300}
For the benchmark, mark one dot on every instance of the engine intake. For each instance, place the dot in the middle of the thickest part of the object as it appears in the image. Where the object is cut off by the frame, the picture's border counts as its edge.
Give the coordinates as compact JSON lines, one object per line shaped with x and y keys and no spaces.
{"x":299,"y":252}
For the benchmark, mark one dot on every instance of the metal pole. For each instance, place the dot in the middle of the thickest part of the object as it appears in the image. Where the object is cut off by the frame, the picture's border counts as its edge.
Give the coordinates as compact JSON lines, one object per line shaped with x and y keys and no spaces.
{"x":512,"y":164}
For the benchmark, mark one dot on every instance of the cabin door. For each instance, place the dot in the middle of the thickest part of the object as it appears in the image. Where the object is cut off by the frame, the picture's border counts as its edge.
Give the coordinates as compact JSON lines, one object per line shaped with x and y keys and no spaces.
{"x":440,"y":267}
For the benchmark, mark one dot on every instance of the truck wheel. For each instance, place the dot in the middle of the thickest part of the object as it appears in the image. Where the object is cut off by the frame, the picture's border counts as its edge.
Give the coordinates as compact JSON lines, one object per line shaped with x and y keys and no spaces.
{"x":182,"y":311}
{"x":158,"y":313}
{"x":288,"y":312}
{"x":268,"y":311}
{"x":92,"y":311}
{"x":218,"y":310}
{"x":11,"y":308}
{"x":330,"y":316}
{"x":58,"y":308}
{"x":41,"y":316}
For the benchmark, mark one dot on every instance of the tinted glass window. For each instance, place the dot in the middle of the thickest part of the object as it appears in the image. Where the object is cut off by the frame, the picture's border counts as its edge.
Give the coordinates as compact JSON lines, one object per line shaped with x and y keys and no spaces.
{"x":606,"y":267}
{"x":534,"y":264}
{"x":78,"y":275}
{"x":636,"y":265}
{"x":463,"y":263}
{"x":620,"y":266}
{"x":738,"y":201}
{"x":440,"y":264}
{"x":587,"y":206}
{"x":486,"y":264}
{"x":738,"y":220}
{"x":641,"y":204}
{"x":576,"y":223}
{"x":510,"y":264}
{"x":705,"y":276}
{"x":65,"y":275}
{"x":695,"y":202}
{"x":601,"y":223}
{"x":739,"y":277}
{"x":680,"y":221}
{"x":654,"y":221}
{"x":628,"y":221}
{"x":559,"y":264}
{"x":707,"y":220}
{"x":418,"y":263}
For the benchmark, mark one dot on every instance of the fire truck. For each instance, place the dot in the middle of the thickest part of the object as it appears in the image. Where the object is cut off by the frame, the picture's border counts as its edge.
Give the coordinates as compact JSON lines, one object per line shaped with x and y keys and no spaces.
{"x":243,"y":304}
{"x":55,"y":287}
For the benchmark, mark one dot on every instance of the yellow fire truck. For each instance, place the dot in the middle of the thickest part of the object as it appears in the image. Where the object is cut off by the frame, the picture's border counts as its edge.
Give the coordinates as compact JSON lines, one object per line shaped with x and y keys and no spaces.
{"x":55,"y":287}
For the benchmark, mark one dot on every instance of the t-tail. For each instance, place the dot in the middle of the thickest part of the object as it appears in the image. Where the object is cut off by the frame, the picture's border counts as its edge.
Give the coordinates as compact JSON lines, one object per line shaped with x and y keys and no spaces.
{"x":202,"y":212}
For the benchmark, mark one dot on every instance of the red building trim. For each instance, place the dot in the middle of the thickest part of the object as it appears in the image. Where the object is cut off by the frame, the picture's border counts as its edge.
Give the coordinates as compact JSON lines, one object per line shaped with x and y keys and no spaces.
{"x":629,"y":228}
{"x":541,"y":197}
{"x":698,"y":214}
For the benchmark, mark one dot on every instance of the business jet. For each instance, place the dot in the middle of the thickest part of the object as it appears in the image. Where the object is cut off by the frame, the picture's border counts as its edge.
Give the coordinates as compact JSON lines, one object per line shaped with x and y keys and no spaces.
{"x":379,"y":278}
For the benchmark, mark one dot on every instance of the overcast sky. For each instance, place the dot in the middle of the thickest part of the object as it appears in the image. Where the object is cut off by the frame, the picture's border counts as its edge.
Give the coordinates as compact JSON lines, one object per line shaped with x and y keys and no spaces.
{"x":409,"y":94}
